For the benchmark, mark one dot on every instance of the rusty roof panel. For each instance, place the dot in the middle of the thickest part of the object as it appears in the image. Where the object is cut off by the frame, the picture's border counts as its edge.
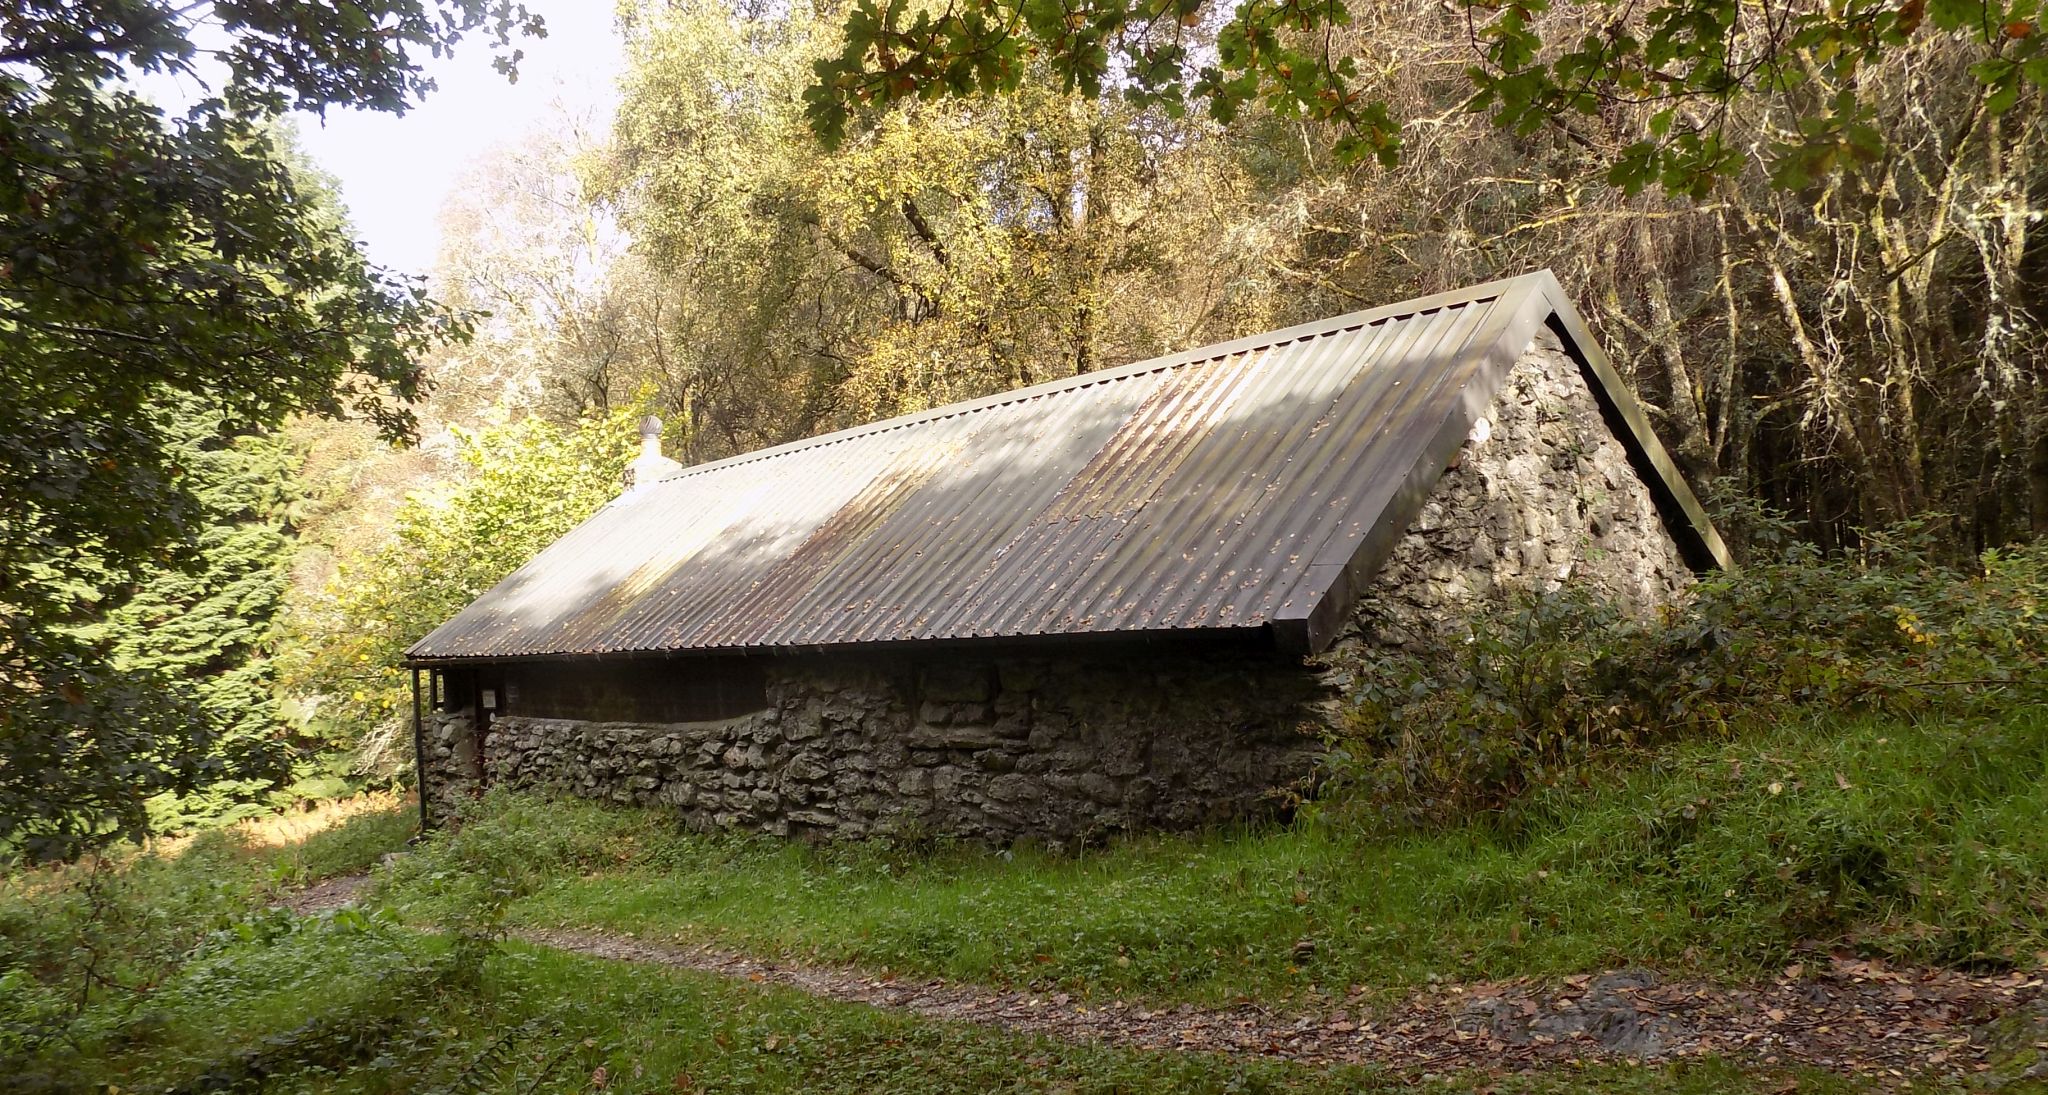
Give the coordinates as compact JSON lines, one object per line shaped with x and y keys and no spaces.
{"x":1238,"y":486}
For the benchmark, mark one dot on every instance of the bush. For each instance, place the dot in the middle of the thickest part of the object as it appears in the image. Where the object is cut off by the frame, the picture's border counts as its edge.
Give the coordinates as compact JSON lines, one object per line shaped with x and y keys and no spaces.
{"x":1553,"y":686}
{"x":87,"y":948}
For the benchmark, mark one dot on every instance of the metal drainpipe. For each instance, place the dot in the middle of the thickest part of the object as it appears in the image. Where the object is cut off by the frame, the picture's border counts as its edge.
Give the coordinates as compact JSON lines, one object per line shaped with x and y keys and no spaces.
{"x":419,"y":751}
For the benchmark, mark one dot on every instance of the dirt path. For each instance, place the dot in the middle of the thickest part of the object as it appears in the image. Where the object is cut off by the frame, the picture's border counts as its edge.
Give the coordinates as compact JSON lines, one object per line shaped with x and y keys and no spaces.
{"x":1848,"y":1015}
{"x":327,"y":894}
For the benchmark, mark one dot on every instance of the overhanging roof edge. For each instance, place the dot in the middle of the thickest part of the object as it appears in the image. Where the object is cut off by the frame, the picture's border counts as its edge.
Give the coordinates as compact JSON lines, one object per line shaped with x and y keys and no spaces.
{"x":1530,"y":300}
{"x":1705,"y":549}
{"x":1340,"y":572}
{"x":1258,"y":635}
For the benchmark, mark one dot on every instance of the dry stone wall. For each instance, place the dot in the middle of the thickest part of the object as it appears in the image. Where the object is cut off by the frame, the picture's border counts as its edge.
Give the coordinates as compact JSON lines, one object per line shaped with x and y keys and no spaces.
{"x":1061,"y":749}
{"x":1079,"y":745}
{"x":1541,"y":494}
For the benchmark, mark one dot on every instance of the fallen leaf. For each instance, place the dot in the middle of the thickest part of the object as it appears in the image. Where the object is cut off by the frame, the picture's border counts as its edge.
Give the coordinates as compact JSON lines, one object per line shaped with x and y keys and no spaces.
{"x":1841,"y":781}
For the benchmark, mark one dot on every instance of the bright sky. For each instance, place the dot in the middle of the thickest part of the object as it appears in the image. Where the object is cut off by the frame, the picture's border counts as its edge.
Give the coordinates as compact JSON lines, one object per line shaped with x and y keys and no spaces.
{"x":395,"y":171}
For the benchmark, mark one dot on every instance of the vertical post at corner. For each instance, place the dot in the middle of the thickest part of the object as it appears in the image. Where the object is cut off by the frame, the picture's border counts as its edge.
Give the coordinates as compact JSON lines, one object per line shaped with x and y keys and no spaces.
{"x":419,"y":751}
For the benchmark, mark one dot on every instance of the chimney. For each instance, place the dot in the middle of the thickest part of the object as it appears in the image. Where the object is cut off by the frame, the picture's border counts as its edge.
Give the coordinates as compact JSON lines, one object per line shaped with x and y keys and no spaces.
{"x":650,"y":466}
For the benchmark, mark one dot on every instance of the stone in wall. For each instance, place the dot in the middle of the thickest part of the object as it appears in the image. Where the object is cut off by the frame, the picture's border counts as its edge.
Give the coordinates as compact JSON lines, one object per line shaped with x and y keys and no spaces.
{"x":1060,"y":749}
{"x":1541,"y":494}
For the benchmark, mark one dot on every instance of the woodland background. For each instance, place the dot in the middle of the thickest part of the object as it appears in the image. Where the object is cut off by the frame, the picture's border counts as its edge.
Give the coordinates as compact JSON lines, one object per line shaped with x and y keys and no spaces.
{"x":1857,"y":351}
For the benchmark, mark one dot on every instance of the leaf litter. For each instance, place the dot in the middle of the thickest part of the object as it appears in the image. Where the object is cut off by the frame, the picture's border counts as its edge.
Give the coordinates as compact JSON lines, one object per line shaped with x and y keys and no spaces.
{"x":1852,"y":1015}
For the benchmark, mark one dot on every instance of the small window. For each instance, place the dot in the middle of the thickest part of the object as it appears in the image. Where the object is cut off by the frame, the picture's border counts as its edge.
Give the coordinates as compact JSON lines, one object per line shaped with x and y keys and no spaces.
{"x":653,"y":690}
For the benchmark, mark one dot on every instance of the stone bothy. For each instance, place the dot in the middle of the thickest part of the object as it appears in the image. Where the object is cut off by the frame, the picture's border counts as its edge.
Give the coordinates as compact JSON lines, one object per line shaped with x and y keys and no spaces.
{"x":1097,"y":604}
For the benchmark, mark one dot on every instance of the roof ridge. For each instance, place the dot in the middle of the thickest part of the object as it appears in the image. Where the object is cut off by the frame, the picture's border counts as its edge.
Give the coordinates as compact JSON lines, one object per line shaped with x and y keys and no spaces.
{"x":1196,"y":355}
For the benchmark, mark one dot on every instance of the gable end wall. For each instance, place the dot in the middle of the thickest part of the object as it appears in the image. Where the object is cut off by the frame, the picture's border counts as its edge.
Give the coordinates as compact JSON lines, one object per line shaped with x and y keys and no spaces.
{"x":1542,"y":493}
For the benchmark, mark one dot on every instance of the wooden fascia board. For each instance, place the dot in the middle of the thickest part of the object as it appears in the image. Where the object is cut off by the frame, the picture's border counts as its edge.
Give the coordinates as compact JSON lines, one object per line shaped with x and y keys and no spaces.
{"x":1683,"y":515}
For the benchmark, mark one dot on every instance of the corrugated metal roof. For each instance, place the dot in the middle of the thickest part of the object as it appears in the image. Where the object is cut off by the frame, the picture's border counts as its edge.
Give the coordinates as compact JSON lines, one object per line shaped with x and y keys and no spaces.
{"x":1252,"y":485}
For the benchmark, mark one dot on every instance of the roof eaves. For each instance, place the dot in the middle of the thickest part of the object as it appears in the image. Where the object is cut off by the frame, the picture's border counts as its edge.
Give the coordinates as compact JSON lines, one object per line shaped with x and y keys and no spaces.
{"x":1339,"y":573}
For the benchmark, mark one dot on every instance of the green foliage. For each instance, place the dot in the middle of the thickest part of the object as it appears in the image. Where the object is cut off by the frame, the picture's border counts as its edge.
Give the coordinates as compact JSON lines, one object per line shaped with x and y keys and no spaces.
{"x":957,"y":250}
{"x":1559,"y":685}
{"x":83,"y":947}
{"x":1697,"y":58}
{"x":145,"y":261}
{"x":1151,"y":49}
{"x":202,"y":626}
{"x":524,"y":485}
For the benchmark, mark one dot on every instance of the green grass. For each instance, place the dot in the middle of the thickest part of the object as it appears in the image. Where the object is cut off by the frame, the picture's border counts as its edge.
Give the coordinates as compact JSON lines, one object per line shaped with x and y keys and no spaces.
{"x":1716,"y":858}
{"x":137,"y":919}
{"x":311,"y":1009}
{"x":1921,"y":841}
{"x":354,"y":845}
{"x":230,"y":867}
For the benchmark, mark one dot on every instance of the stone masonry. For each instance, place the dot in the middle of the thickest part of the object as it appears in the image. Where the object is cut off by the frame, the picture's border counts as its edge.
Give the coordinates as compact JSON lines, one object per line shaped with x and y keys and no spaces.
{"x":1080,"y":744}
{"x":1541,"y":494}
{"x":1058,"y":748}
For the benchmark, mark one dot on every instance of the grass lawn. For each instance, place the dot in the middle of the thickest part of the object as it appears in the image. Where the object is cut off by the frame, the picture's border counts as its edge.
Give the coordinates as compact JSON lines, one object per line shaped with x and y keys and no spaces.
{"x":1918,"y":841}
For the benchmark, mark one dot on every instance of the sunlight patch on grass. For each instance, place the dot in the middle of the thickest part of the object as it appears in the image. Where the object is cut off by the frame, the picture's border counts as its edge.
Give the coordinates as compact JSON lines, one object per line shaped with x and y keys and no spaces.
{"x":1917,"y":841}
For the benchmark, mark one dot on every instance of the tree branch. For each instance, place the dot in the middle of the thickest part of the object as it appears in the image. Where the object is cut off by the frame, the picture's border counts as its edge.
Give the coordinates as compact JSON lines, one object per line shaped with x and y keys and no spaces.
{"x":924,"y":231}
